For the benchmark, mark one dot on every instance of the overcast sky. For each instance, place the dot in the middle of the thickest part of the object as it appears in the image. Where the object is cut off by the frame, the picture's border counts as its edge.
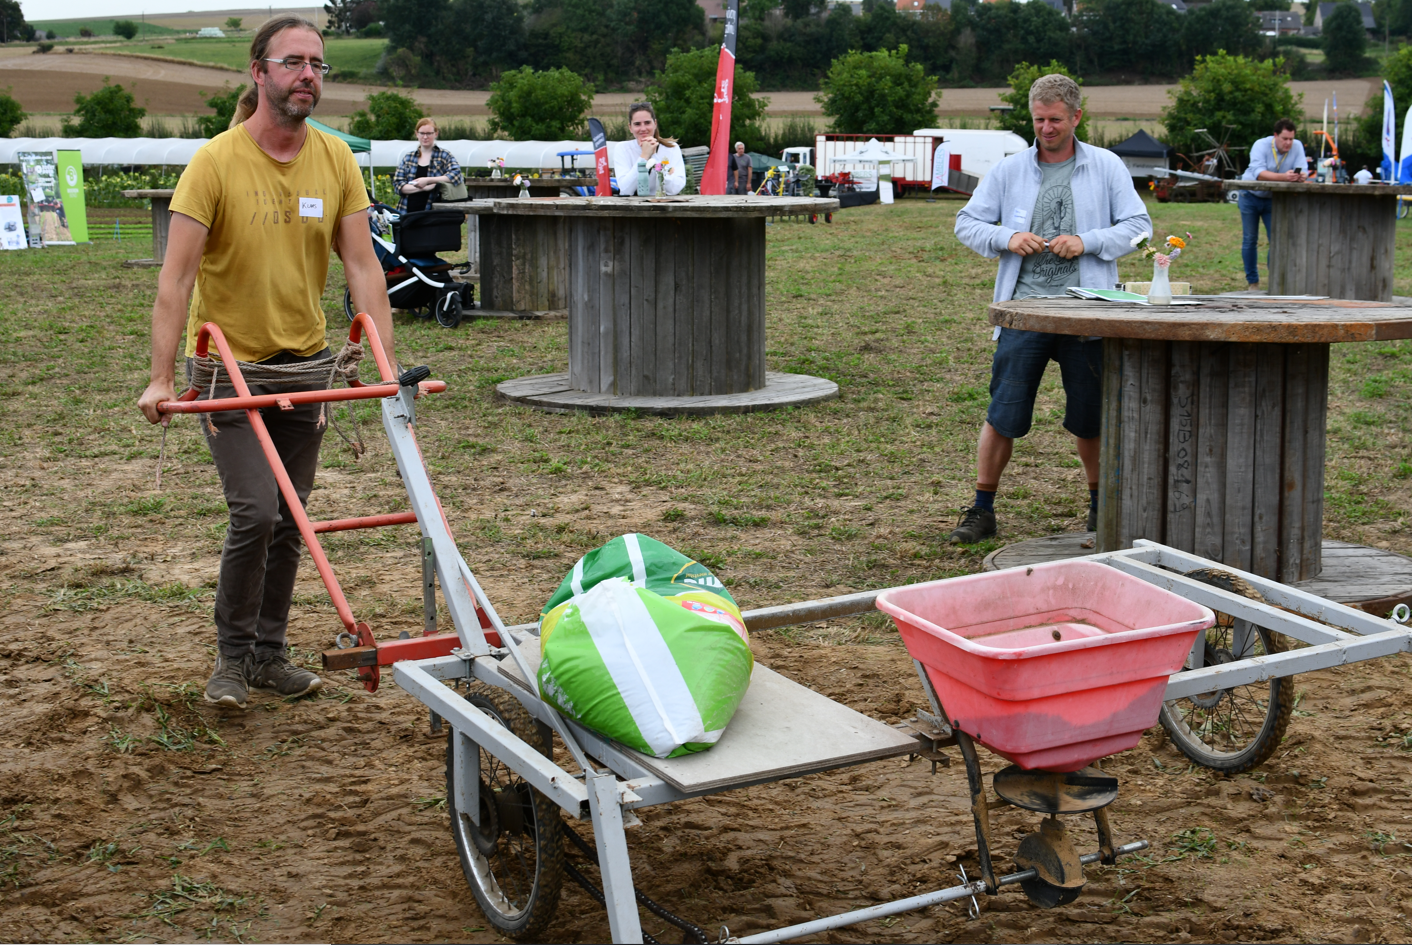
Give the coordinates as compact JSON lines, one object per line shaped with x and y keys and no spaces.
{"x":95,"y":9}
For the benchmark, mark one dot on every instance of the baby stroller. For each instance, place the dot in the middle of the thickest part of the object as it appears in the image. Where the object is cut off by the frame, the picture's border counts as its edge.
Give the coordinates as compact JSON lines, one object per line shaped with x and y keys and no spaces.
{"x":417,"y":280}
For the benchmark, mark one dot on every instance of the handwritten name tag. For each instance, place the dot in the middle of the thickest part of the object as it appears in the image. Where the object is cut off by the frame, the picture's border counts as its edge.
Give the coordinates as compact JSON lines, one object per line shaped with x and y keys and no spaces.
{"x":311,"y":207}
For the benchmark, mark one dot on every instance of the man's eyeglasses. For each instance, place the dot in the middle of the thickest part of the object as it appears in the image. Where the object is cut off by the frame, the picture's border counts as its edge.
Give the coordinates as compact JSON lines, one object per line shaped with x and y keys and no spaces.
{"x":297,"y":65}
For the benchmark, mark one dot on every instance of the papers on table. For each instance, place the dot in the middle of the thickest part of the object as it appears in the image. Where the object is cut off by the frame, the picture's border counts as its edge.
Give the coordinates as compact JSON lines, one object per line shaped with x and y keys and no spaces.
{"x":1118,"y":295}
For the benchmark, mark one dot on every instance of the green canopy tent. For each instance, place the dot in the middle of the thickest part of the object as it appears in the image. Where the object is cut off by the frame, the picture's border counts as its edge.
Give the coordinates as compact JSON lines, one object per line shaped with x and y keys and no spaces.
{"x":355,"y":144}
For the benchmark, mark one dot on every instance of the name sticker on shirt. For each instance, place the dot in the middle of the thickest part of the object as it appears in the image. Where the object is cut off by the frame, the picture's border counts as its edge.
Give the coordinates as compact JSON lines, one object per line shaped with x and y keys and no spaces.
{"x":1019,"y":215}
{"x":311,"y":207}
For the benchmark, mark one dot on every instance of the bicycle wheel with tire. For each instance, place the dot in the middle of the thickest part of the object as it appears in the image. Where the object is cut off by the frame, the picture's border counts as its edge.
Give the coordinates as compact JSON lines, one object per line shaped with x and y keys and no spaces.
{"x":1236,"y":729}
{"x":514,"y":861}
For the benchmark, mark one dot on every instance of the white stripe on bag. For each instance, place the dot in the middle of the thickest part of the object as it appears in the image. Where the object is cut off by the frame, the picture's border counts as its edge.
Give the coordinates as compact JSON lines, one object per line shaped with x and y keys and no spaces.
{"x":641,"y":665}
{"x":576,"y":579}
{"x":639,"y":567}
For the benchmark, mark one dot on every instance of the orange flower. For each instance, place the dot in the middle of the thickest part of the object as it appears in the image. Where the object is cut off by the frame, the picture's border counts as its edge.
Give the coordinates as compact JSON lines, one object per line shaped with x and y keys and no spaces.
{"x":1176,"y":241}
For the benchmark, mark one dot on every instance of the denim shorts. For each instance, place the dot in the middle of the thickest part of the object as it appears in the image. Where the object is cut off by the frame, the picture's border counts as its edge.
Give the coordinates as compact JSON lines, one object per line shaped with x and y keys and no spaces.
{"x":1018,"y":367}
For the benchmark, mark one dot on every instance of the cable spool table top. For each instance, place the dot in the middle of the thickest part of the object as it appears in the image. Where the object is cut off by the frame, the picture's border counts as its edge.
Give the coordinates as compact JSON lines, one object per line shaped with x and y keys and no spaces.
{"x":681,"y":206}
{"x":1281,"y":321}
{"x":160,"y":194}
{"x":1309,"y":187}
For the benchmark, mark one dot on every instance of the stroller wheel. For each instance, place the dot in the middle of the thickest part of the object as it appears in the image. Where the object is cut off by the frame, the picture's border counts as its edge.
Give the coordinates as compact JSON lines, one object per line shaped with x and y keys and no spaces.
{"x":448,"y":310}
{"x":348,"y":305}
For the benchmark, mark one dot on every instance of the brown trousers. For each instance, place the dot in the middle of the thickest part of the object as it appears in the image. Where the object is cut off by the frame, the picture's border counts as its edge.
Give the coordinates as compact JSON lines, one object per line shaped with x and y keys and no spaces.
{"x":262,"y":548}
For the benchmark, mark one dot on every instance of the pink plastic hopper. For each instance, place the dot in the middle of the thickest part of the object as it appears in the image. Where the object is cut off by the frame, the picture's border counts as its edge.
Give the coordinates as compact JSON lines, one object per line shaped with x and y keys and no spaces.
{"x":1051,"y":666}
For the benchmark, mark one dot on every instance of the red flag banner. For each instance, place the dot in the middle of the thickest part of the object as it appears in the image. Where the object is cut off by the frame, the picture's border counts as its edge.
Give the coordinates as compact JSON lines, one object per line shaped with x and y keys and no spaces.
{"x":600,"y":158}
{"x":713,"y":179}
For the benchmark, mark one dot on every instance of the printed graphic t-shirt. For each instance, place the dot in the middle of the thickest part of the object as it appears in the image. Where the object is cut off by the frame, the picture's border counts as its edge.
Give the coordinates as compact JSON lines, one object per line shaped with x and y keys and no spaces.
{"x":272,"y":226}
{"x":1045,"y":274}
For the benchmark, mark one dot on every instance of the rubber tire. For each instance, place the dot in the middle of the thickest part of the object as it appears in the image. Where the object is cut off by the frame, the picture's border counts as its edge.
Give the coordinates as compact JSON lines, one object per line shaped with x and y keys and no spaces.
{"x":1278,"y":707}
{"x":448,"y":310}
{"x":1233,"y":196}
{"x":348,"y":304}
{"x":528,"y":922}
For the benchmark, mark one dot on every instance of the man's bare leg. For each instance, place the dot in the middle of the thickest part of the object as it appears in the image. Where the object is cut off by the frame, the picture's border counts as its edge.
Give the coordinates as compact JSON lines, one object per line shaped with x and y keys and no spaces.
{"x":992,"y":456}
{"x":1088,"y":455}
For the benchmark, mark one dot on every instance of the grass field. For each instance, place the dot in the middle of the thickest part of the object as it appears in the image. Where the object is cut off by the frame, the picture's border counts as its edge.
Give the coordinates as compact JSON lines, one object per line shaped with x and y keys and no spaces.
{"x":858,"y":492}
{"x":100,"y":27}
{"x":135,"y":812}
{"x":345,"y":55}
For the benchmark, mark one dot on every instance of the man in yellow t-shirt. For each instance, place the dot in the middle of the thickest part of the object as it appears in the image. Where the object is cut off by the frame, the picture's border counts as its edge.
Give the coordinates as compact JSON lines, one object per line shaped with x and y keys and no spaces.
{"x":254,"y":218}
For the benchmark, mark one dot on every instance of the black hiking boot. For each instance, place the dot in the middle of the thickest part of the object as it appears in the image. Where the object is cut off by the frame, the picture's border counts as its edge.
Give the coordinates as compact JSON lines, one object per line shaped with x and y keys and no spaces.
{"x":976,"y":524}
{"x":1092,"y":524}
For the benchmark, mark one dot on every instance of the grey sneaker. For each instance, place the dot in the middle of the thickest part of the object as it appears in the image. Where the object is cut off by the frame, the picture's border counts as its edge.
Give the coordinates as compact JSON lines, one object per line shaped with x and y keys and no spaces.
{"x":976,"y":524}
{"x":1092,"y":523}
{"x":229,"y":685}
{"x":278,"y":675}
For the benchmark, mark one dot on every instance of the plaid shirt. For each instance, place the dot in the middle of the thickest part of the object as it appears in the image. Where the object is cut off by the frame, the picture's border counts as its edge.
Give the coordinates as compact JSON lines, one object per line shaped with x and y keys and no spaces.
{"x":442,"y":165}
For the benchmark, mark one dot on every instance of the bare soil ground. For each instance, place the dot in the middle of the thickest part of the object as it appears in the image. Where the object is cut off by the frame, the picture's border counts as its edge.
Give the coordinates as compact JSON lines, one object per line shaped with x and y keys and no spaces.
{"x":131,"y":811}
{"x":47,"y":84}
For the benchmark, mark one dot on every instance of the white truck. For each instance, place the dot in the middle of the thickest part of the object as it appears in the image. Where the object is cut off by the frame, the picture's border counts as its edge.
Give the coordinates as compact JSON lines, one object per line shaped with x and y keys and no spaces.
{"x":980,"y":150}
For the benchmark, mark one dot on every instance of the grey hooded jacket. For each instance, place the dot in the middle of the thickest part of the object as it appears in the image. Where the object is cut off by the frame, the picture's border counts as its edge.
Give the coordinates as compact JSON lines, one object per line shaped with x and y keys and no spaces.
{"x":1107,"y":210}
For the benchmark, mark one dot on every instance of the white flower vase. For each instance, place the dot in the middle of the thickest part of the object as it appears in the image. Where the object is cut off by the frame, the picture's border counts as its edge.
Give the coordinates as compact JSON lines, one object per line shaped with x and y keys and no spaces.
{"x":1160,"y":292}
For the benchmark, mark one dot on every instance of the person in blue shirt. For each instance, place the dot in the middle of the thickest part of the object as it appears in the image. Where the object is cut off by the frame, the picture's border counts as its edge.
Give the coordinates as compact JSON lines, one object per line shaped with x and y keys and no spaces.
{"x":1280,"y":157}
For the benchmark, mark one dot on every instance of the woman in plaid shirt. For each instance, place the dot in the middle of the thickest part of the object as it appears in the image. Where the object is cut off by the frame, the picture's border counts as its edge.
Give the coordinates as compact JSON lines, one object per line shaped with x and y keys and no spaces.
{"x":422,"y":169}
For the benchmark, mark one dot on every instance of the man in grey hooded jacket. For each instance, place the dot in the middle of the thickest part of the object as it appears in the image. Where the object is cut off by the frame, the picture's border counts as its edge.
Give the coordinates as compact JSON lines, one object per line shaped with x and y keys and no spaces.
{"x":1058,"y":215}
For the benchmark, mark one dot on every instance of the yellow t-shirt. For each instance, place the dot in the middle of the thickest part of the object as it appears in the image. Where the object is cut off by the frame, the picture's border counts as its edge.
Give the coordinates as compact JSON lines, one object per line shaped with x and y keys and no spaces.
{"x":272,"y":226}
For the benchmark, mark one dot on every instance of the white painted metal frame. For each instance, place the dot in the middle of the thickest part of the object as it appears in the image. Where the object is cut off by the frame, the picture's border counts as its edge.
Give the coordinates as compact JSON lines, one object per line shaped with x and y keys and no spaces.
{"x":607,"y":795}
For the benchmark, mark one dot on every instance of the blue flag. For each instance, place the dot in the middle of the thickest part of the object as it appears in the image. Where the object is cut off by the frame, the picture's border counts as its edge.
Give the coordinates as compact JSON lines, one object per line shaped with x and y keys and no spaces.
{"x":1389,"y":133}
{"x":1404,"y":170}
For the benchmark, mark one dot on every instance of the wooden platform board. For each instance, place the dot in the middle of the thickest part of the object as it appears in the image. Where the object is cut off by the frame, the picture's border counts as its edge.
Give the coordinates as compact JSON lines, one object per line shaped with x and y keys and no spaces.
{"x":1370,"y":579}
{"x":552,"y":393}
{"x":550,"y":315}
{"x":780,"y":730}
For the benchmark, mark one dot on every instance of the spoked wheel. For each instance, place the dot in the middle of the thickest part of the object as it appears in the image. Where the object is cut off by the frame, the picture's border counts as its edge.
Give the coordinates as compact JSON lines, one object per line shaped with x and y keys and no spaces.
{"x":514,"y":861}
{"x":1236,"y":729}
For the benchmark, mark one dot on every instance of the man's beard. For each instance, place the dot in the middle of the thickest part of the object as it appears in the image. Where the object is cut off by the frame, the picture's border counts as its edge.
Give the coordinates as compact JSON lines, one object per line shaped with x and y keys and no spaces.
{"x":284,"y":108}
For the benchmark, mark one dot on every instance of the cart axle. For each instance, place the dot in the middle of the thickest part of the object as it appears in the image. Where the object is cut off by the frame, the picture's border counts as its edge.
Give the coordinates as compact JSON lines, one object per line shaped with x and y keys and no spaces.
{"x":973,"y":888}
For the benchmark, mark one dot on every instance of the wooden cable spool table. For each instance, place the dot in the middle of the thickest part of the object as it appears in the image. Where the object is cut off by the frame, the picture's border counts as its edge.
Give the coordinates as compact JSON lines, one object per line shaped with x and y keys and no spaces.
{"x":161,"y":224}
{"x":666,"y":303}
{"x":1330,"y":239}
{"x":1213,"y":432}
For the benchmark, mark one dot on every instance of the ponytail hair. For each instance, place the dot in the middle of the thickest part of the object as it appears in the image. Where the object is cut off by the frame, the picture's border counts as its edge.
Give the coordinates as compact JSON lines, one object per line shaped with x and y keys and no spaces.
{"x":636,"y":107}
{"x":245,"y":107}
{"x":259,"y":49}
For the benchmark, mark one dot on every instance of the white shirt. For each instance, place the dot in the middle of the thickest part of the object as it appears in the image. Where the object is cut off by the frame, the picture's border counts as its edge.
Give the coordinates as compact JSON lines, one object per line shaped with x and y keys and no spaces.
{"x":626,"y":155}
{"x":1363,"y":177}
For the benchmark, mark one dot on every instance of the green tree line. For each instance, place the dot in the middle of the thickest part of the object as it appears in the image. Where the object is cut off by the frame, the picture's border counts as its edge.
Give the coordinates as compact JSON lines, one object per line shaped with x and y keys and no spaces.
{"x":792,"y":43}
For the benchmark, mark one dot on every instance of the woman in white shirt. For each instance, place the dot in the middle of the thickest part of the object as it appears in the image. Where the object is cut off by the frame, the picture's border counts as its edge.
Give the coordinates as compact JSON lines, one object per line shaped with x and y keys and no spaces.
{"x":666,"y":170}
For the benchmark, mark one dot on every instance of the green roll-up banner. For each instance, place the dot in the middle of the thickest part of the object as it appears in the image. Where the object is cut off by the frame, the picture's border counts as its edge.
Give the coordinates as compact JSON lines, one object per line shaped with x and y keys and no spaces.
{"x":71,"y":192}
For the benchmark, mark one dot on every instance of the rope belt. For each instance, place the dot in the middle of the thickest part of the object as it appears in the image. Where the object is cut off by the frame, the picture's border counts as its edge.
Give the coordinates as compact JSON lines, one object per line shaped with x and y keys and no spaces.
{"x":205,"y":374}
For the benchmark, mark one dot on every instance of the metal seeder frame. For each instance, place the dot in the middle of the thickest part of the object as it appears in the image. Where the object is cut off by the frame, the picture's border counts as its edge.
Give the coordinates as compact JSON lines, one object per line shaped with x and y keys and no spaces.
{"x":613,"y":781}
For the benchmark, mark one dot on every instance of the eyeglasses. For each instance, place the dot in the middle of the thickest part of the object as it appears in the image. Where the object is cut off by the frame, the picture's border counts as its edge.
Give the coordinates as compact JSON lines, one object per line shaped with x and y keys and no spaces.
{"x":420,"y":133}
{"x":297,"y":65}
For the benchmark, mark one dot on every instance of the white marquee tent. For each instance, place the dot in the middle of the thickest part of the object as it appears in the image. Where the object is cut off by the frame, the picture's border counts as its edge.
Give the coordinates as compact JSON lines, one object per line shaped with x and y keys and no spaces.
{"x":178,"y":151}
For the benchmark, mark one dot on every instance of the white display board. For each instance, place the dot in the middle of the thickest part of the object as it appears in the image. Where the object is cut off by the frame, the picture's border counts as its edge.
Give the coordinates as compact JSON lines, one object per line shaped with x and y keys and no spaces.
{"x":12,"y":223}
